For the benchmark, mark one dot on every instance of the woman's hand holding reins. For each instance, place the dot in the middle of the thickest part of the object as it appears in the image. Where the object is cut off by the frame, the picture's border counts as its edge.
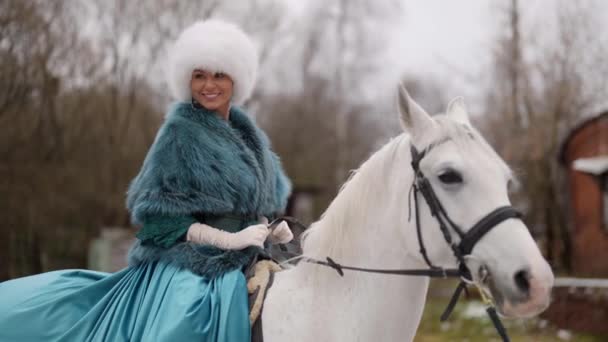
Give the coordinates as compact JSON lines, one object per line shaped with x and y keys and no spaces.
{"x":280,"y":234}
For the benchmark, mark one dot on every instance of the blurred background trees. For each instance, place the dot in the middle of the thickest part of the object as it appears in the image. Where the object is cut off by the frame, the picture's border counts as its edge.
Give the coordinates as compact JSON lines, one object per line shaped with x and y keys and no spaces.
{"x":549,"y":73}
{"x":83,"y":93}
{"x":68,"y":149}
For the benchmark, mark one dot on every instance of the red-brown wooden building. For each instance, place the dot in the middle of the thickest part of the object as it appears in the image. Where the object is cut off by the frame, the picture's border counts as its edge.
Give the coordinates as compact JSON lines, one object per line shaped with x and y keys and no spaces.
{"x":585,"y":155}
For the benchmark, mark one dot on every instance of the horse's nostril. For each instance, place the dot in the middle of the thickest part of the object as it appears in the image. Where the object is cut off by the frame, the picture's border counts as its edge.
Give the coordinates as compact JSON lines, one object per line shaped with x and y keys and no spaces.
{"x":522,"y":280}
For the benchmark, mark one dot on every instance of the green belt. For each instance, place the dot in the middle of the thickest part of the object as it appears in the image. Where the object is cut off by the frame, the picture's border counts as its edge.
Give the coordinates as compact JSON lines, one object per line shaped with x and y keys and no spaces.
{"x":229,"y":222}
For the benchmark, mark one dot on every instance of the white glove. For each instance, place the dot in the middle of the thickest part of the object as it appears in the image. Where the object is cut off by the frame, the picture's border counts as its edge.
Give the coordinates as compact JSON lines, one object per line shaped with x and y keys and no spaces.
{"x":281,"y":234}
{"x":254,"y":235}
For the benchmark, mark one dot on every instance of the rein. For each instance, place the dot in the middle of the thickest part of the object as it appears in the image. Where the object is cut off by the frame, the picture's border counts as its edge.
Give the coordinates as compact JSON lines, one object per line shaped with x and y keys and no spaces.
{"x":461,"y":249}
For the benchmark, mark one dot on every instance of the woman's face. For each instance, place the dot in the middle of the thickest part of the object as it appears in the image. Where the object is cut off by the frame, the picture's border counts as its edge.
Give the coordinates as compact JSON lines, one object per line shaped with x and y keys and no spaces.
{"x":211,"y":90}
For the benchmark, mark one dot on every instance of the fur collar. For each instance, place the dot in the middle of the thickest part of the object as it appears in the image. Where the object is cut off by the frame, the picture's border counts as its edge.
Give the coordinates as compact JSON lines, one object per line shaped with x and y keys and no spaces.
{"x":200,"y":162}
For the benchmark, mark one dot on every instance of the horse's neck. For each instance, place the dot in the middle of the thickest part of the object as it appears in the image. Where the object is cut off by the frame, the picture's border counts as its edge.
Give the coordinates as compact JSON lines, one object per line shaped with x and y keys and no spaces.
{"x":360,"y":232}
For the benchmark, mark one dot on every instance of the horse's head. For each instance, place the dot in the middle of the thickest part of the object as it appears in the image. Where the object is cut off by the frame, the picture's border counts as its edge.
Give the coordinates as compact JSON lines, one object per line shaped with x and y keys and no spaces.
{"x":470,"y":180}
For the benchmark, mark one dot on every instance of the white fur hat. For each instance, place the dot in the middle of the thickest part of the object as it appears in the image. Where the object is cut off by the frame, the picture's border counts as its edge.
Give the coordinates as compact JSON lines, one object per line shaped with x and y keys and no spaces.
{"x":216,"y":46}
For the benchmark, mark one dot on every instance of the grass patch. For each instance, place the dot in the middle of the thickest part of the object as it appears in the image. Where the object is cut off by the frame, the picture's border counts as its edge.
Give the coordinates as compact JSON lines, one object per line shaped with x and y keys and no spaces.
{"x":469,"y":323}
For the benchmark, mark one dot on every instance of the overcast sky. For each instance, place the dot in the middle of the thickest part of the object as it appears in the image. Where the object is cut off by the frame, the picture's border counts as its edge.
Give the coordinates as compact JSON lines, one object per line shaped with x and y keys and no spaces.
{"x":452,"y":40}
{"x":445,"y":34}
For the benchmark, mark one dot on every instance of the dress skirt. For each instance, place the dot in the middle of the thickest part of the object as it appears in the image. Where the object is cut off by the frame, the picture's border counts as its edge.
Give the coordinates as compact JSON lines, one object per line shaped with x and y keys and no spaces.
{"x":150,"y":302}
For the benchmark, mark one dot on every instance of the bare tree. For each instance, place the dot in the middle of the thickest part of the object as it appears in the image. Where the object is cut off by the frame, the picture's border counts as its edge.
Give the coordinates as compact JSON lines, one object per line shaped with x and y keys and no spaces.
{"x":34,"y":39}
{"x":334,"y":66}
{"x":541,"y":88}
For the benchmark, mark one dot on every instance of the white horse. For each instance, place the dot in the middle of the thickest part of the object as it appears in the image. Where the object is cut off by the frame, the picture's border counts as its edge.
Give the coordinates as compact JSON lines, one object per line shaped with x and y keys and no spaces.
{"x":367,"y":225}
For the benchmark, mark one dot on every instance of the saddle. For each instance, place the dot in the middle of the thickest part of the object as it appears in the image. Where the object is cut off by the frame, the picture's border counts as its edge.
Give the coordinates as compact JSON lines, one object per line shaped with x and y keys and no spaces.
{"x":260,"y":274}
{"x":258,"y":283}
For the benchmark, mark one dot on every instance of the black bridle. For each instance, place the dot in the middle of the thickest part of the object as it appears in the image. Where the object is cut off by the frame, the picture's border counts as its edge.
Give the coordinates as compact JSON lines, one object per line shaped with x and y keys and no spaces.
{"x":469,"y":239}
{"x":460,"y":249}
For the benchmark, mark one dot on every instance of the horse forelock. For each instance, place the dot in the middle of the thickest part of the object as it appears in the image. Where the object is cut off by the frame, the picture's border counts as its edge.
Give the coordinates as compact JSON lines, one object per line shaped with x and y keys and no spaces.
{"x":467,"y":138}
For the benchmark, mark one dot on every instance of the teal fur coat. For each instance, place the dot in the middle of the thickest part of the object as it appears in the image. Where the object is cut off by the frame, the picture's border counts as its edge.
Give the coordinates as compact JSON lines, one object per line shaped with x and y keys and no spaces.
{"x":201,"y":164}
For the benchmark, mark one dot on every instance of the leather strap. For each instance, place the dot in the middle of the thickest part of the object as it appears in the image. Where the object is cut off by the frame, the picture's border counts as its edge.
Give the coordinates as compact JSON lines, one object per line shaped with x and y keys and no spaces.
{"x":431,"y":272}
{"x":484,"y":225}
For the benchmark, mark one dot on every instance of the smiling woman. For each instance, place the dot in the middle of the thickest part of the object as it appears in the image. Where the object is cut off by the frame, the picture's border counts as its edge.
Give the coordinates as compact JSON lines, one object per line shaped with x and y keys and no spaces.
{"x":212,"y":90}
{"x":202,"y":200}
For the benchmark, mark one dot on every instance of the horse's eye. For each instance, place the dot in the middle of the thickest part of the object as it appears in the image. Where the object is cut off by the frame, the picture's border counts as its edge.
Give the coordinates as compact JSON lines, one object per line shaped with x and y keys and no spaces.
{"x":450,"y":177}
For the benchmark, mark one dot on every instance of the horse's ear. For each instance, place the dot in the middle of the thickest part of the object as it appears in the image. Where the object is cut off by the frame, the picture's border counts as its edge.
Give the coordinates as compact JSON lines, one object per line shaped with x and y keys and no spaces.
{"x":457,"y":111}
{"x":414,"y":119}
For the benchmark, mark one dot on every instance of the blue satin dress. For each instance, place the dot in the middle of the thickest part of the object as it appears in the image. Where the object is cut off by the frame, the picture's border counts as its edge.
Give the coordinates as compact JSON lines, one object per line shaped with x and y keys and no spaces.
{"x":150,"y":302}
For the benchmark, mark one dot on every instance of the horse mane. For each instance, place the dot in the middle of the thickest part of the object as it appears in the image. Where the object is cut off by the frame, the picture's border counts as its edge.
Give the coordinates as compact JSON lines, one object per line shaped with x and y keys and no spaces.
{"x":331,"y":233}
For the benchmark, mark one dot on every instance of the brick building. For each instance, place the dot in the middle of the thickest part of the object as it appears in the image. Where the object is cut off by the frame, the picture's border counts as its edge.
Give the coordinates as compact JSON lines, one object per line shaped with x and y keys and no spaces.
{"x":584,"y":153}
